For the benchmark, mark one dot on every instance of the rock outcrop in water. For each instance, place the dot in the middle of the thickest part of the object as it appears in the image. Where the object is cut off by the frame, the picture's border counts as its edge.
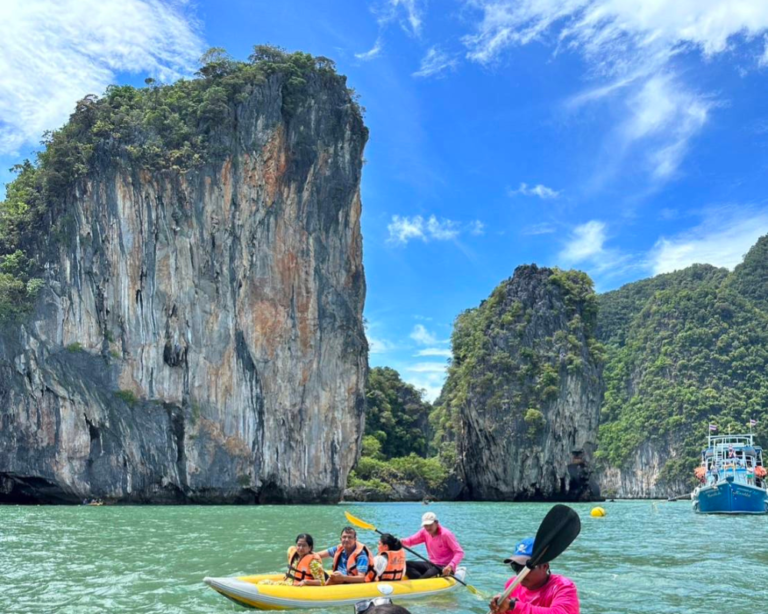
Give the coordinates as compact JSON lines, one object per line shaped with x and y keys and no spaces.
{"x":199,"y":337}
{"x":525,"y":385}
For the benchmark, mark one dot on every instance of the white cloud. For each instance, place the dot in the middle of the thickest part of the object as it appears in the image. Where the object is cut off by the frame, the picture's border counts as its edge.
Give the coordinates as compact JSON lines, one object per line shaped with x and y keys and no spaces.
{"x":630,"y":46}
{"x":539,"y":190}
{"x":428,"y":377}
{"x":403,"y":229}
{"x":610,"y":32}
{"x":722,"y":239}
{"x":764,"y":58}
{"x":667,"y":114}
{"x":413,"y":13}
{"x":54,"y":52}
{"x":541,"y":228}
{"x":408,"y":13}
{"x":586,"y":247}
{"x":428,"y":367}
{"x":476,"y":228}
{"x":585,"y":243}
{"x":442,"y":230}
{"x":430,"y":384}
{"x":374,"y":52}
{"x":434,"y":352}
{"x":377,"y":345}
{"x":435,"y":62}
{"x":422,"y":336}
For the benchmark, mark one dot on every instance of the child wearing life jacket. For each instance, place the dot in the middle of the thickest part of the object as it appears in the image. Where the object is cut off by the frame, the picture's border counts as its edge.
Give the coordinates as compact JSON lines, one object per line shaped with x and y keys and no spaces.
{"x":389,"y":564}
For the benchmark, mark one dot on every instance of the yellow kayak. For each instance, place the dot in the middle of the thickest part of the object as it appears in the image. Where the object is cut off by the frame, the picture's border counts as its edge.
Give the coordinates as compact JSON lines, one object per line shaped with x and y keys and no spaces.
{"x":247,"y":591}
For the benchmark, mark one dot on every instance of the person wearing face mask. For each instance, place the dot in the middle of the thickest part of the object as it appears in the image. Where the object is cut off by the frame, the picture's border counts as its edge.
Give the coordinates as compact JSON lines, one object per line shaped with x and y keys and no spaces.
{"x":540,"y":592}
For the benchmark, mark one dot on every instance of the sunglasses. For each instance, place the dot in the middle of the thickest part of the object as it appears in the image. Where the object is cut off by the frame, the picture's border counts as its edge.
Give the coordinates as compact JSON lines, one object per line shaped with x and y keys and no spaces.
{"x":362,"y":606}
{"x":517,"y":567}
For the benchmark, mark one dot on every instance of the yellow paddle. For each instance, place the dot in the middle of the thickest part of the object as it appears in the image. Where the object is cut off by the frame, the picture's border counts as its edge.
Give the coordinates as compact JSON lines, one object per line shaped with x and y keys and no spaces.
{"x":366,"y":525}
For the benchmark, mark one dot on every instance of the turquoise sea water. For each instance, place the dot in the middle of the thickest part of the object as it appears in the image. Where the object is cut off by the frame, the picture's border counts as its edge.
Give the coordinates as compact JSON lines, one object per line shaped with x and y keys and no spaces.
{"x":644,"y":557}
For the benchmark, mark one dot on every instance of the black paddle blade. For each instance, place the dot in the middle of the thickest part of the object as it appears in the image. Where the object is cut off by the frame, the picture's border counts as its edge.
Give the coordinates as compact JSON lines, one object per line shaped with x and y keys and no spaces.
{"x":557,"y":531}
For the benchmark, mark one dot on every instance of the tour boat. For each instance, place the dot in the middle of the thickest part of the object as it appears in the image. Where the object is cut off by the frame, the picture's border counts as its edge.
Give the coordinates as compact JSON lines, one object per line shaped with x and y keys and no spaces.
{"x":254,"y":592}
{"x":732,"y":476}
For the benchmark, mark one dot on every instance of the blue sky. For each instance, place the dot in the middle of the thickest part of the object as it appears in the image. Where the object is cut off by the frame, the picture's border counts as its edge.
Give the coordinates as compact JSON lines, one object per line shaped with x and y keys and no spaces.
{"x":619,"y":137}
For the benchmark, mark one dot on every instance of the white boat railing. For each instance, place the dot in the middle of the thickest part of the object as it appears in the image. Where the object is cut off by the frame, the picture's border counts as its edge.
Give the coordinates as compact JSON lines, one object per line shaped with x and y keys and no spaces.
{"x":732,"y":456}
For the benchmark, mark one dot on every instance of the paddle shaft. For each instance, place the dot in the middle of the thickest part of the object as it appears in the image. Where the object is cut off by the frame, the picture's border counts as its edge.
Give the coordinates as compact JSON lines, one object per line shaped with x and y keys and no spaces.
{"x":518,"y":579}
{"x":413,"y":552}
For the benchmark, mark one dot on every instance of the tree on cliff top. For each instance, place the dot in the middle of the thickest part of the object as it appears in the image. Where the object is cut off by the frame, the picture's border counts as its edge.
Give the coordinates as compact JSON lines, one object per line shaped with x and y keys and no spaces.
{"x":750,"y":278}
{"x":397,"y":416}
{"x":173,"y":127}
{"x":494,"y":365}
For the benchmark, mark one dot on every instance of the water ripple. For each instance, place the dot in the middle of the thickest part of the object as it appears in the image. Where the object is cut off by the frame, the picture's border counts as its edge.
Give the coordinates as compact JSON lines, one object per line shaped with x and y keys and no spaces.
{"x":643,"y":558}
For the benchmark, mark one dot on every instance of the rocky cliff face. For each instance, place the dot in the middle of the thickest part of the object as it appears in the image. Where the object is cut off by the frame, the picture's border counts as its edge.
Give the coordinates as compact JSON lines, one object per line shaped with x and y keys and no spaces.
{"x":642,"y":477}
{"x":525,"y":384}
{"x":200,"y":338}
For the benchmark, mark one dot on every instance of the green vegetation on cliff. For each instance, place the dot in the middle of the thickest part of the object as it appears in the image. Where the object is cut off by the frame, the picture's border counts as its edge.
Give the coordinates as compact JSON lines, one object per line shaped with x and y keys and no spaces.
{"x":494,"y":366}
{"x":680,"y":350}
{"x":396,"y":437}
{"x":397,"y":417}
{"x":684,"y":349}
{"x":750,"y":278}
{"x":172,"y":127}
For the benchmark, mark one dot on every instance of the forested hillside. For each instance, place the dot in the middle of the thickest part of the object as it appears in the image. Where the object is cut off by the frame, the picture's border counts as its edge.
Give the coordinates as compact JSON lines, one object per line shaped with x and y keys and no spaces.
{"x":397,"y":461}
{"x":680,"y":351}
{"x":683,"y":350}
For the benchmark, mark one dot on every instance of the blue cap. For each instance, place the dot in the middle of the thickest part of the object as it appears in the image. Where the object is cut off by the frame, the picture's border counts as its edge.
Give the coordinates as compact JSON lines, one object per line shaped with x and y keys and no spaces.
{"x":523,"y":551}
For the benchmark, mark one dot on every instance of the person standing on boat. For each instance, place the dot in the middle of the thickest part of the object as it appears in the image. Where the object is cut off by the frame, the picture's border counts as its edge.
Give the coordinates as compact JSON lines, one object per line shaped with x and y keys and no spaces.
{"x":540,"y":592}
{"x":389,"y":563}
{"x":351,"y":559}
{"x":442,"y":547}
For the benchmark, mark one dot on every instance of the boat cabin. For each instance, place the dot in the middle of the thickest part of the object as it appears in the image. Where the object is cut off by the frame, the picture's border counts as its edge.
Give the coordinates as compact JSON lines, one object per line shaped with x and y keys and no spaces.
{"x":732,"y":457}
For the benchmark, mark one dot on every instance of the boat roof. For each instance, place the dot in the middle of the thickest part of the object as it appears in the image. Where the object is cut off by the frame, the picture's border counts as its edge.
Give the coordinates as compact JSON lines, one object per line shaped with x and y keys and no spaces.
{"x":747,"y":439}
{"x":708,"y":453}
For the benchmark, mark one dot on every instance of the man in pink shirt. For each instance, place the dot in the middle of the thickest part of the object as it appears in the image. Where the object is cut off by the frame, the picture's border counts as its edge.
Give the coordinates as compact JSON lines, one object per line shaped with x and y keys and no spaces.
{"x":443,"y":550}
{"x":540,"y":592}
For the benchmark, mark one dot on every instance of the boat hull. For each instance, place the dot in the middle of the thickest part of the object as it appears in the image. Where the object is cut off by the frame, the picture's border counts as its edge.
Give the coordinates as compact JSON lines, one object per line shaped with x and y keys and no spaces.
{"x":246,"y":591}
{"x":730,"y":498}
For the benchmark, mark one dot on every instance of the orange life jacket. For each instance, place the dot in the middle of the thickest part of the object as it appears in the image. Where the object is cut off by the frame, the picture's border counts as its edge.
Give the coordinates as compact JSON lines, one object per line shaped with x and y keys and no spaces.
{"x":395,"y":568}
{"x":299,"y":570}
{"x":352,"y":558}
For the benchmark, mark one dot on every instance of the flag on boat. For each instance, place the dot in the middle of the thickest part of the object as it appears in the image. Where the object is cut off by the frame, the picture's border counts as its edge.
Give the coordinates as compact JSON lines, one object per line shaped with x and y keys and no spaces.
{"x":712,"y":427}
{"x":752,"y":422}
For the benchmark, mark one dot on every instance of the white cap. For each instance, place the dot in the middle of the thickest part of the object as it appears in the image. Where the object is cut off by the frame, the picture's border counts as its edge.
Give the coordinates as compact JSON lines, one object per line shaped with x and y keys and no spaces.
{"x":428,"y":518}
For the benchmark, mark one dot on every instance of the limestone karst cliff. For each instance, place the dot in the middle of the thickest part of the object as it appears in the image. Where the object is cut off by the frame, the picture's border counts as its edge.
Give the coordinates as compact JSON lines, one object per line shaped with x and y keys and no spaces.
{"x":525,"y":386}
{"x":198,"y":335}
{"x":684,"y":350}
